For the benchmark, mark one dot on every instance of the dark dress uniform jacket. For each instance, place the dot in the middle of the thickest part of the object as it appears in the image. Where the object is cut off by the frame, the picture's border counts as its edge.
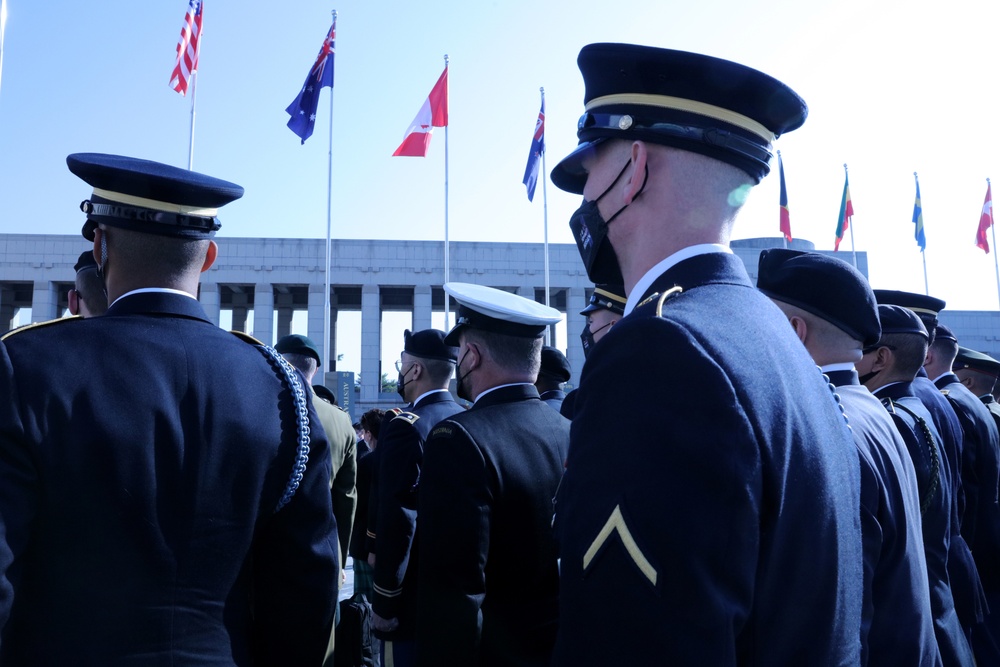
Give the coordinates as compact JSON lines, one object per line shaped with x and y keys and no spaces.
{"x":986,"y":637}
{"x":401,"y":444}
{"x":897,"y":627}
{"x":725,"y":527}
{"x":980,"y":462}
{"x":554,"y":398}
{"x":488,"y":576}
{"x":962,"y":572}
{"x":142,"y":457}
{"x":359,"y":533}
{"x":935,"y":497}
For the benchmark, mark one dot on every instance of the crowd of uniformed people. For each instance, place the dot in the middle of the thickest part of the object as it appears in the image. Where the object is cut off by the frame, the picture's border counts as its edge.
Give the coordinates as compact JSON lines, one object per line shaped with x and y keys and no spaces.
{"x":799,"y":472}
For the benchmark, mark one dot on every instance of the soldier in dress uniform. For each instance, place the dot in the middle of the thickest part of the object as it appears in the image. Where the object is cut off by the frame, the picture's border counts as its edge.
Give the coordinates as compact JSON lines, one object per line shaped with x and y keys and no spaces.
{"x":425,"y":368}
{"x":605,"y":307}
{"x":887,"y":369}
{"x":832,"y":309}
{"x":87,"y":298}
{"x":970,"y":600}
{"x":488,"y":570}
{"x":699,"y":523}
{"x":149,"y":513}
{"x":978,"y":373}
{"x":304,"y":355}
{"x":553,"y":374}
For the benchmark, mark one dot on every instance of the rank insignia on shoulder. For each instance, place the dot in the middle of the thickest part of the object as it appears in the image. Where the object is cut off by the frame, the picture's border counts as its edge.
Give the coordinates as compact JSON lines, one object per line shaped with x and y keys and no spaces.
{"x":407,"y":417}
{"x":39,"y":325}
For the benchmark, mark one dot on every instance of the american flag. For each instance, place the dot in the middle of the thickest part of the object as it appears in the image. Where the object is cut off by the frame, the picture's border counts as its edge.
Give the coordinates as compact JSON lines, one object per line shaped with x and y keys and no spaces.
{"x":187,"y":47}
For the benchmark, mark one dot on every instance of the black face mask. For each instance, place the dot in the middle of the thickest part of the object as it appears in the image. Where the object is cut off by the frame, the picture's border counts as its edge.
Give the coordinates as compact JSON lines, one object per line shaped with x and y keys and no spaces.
{"x":587,"y":338}
{"x":591,"y":233}
{"x":863,"y":379}
{"x":401,"y":383}
{"x":460,"y":388}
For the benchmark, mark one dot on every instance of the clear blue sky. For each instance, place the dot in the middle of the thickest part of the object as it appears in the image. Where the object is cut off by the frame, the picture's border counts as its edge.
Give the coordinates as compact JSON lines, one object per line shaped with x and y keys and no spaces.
{"x":891,"y":91}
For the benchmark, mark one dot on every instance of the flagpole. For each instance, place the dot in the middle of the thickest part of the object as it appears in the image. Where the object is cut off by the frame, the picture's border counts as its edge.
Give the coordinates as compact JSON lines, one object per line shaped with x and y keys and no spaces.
{"x":329,"y":259}
{"x":923,"y":248}
{"x":194,"y":95}
{"x":3,"y":28}
{"x":446,"y":249}
{"x":993,"y":233}
{"x":850,"y":225}
{"x":545,"y":218}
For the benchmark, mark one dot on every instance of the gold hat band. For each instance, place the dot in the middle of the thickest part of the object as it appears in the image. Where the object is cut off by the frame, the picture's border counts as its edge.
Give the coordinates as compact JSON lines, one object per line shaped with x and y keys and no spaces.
{"x":690,"y":106}
{"x":121,"y":198}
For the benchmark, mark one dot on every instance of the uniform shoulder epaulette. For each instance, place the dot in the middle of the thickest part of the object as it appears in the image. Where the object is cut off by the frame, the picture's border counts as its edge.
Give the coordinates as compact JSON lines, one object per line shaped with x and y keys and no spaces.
{"x":944,"y":392}
{"x":246,"y":338}
{"x":38,"y":325}
{"x":407,"y":417}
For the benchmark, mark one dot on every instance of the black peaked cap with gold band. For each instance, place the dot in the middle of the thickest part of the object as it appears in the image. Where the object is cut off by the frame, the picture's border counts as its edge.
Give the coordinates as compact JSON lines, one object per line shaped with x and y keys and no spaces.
{"x":150,"y":197}
{"x":606,"y":297}
{"x":977,"y":361}
{"x":689,"y":101}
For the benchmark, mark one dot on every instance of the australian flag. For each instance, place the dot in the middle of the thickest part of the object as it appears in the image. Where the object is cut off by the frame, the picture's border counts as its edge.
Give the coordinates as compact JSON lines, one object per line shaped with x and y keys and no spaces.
{"x":303,"y":108}
{"x":535,"y":156}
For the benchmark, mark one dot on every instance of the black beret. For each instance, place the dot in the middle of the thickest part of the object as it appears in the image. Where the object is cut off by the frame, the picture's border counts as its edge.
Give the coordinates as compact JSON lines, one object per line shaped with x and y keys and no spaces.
{"x":900,"y":320}
{"x":325,"y":393}
{"x":555,"y":364}
{"x":976,"y":361}
{"x":824,"y":286}
{"x":298,"y":344}
{"x":150,"y":197}
{"x":941,"y":332}
{"x":689,"y":101}
{"x":86,"y":261}
{"x":429,"y":344}
{"x":607,"y":297}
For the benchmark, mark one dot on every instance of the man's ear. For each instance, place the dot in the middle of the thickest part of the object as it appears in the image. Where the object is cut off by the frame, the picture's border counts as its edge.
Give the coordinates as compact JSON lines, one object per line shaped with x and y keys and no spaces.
{"x":800,"y":327}
{"x":210,"y":256}
{"x":883,"y":359}
{"x":640,"y":172}
{"x":74,"y":301}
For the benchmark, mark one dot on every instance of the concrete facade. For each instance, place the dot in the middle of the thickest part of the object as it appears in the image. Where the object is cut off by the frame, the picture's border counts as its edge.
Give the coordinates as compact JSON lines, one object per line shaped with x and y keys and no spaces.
{"x":274,"y":278}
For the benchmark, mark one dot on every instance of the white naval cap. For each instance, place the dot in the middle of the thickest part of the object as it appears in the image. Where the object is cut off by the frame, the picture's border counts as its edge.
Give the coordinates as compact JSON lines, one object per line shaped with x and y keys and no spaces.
{"x":490,"y":309}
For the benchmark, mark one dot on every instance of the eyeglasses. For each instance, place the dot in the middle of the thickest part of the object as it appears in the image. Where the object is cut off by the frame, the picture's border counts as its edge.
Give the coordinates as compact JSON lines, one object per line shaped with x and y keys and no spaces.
{"x":399,"y":365}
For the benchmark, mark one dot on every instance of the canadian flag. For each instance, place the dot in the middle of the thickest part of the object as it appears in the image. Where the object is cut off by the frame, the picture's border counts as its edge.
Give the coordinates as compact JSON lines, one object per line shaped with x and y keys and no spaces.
{"x":433,"y":113}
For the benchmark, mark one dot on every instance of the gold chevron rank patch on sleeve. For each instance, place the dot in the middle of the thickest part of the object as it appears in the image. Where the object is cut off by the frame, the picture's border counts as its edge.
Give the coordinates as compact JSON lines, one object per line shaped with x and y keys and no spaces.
{"x":616,"y":523}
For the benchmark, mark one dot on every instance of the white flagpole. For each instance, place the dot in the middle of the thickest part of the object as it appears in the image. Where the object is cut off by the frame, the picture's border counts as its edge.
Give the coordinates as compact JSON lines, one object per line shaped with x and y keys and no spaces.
{"x":3,"y":28}
{"x":329,"y":258}
{"x":545,"y":215}
{"x":194,"y":96}
{"x":993,"y":232}
{"x":446,"y":249}
{"x":850,"y":225}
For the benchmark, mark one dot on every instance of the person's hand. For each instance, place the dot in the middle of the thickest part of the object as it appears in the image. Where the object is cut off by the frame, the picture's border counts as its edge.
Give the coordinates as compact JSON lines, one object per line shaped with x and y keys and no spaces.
{"x":384,"y":624}
{"x":371,"y":559}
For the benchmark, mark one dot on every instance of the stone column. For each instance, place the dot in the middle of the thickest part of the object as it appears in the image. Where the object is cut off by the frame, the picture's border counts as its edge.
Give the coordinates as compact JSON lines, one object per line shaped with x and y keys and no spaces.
{"x":314,"y":320}
{"x":263,"y":312}
{"x":209,"y":298}
{"x":422,"y":307}
{"x":371,"y":337}
{"x":44,"y":301}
